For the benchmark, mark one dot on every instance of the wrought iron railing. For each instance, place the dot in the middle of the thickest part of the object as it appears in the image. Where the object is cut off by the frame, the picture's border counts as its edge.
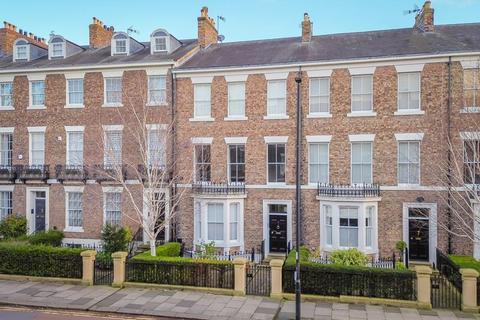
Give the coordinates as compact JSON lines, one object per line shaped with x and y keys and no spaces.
{"x":8,"y":173}
{"x":449,"y":269}
{"x":156,"y":173}
{"x":380,"y":262}
{"x":102,"y":172}
{"x":252,"y":255}
{"x":218,"y":188}
{"x":70,"y":173}
{"x":33,"y":172}
{"x":356,"y":190}
{"x":201,"y":274}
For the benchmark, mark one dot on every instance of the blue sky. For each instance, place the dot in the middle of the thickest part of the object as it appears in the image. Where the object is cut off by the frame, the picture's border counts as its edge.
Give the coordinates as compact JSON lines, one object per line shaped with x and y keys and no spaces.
{"x":245,"y":19}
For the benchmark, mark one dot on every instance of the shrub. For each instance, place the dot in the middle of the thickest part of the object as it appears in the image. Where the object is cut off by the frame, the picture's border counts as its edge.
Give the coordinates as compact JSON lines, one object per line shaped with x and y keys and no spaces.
{"x":206,"y":250}
{"x":349,"y":257}
{"x":466,"y":262}
{"x":13,"y":227}
{"x":49,"y":238}
{"x":171,"y":249}
{"x":39,"y":260}
{"x":400,"y":266}
{"x":115,"y":238}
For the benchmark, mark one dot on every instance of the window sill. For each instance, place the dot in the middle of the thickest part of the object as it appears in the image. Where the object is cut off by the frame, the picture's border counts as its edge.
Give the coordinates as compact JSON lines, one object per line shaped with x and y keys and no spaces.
{"x":362,"y":114}
{"x":319,"y":115}
{"x":470,"y":110}
{"x":74,"y":106}
{"x":151,"y":104}
{"x":73,"y":229}
{"x":235,"y":118}
{"x":279,"y":117}
{"x":409,"y":113}
{"x":36,"y":107}
{"x":276,"y":184}
{"x":206,"y":119}
{"x":408,"y":185}
{"x":7,"y":108}
{"x":112,"y":105}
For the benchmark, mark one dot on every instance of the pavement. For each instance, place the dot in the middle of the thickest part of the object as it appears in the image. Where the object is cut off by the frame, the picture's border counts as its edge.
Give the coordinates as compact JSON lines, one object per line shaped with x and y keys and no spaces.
{"x":196,"y":305}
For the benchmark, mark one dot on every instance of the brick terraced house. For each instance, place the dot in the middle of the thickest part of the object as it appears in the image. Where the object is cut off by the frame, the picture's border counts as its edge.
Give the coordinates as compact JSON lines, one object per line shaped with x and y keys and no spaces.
{"x":379,"y":110}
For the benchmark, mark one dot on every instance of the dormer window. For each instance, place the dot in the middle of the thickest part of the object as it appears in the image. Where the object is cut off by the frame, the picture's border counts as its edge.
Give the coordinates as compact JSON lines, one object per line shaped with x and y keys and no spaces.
{"x":56,"y":47}
{"x":20,"y":50}
{"x":120,"y":44}
{"x":159,"y":41}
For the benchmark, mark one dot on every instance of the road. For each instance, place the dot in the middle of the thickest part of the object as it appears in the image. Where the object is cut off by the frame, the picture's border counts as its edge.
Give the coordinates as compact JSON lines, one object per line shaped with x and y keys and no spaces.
{"x":20,"y":313}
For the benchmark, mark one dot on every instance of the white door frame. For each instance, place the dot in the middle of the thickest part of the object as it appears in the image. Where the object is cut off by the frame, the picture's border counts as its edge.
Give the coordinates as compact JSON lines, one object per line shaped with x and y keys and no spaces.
{"x":31,"y":205}
{"x":432,"y":226}
{"x":266,"y":214}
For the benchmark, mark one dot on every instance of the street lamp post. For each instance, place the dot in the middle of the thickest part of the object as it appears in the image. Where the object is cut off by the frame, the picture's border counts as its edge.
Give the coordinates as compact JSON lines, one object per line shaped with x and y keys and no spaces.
{"x":298,"y":199}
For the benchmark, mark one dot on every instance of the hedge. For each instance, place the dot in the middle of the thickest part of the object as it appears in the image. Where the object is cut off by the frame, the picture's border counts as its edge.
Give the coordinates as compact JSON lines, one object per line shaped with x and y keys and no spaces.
{"x":336,"y":280}
{"x":41,"y":261}
{"x":171,"y":249}
{"x":466,"y":262}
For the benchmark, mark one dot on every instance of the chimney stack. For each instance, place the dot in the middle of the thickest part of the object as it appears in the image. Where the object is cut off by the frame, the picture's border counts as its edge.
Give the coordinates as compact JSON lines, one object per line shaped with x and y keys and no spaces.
{"x":207,"y":33}
{"x":306,"y":28}
{"x":99,"y":34}
{"x":424,"y":21}
{"x":9,"y":33}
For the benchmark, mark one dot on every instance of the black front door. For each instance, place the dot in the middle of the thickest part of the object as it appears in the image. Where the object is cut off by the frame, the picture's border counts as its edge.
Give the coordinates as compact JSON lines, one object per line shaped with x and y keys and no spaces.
{"x":418,"y":239}
{"x":278,"y":233}
{"x":39,"y":214}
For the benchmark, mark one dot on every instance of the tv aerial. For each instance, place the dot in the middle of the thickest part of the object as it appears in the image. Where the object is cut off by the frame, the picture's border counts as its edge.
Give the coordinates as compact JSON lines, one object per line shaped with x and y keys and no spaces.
{"x":414,"y":10}
{"x":221,"y":37}
{"x":131,"y":30}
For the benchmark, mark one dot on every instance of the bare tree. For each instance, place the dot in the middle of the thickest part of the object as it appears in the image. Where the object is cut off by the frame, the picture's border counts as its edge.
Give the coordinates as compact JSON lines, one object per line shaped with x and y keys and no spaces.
{"x":147,"y":162}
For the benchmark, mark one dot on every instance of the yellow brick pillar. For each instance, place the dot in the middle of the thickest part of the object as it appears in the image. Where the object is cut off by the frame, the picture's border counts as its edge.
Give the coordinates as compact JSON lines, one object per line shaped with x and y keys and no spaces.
{"x":240,"y":275}
{"x":469,"y":290}
{"x":424,"y":286}
{"x":276,"y":278}
{"x":119,"y":259}
{"x":88,"y":259}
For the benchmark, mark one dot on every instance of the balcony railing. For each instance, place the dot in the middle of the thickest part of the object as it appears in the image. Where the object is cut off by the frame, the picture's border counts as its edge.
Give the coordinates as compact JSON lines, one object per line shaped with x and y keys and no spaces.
{"x":218,"y":188}
{"x":156,"y":173}
{"x":8,"y":173}
{"x":70,"y":173}
{"x":103,"y":172}
{"x":33,"y":172}
{"x":356,"y":190}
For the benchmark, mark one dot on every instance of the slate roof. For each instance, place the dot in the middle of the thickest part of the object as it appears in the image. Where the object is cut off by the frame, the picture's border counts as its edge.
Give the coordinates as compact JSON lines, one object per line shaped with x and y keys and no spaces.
{"x":346,"y":46}
{"x":99,"y":57}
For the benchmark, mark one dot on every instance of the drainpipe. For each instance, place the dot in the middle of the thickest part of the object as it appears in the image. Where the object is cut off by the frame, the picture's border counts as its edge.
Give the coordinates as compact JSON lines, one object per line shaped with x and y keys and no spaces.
{"x":298,"y":198}
{"x":173,"y":80}
{"x":449,"y":158}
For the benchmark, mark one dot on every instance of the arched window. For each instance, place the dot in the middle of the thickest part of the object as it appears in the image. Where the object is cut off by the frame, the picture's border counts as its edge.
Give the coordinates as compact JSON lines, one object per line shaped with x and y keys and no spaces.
{"x":56,"y":47}
{"x":21,"y":50}
{"x":160,"y":41}
{"x":120,"y":43}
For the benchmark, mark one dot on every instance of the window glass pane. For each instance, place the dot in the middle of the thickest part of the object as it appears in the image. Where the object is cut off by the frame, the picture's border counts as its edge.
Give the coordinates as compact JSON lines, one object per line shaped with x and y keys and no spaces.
{"x":113,"y":90}
{"x":6,"y":149}
{"x":157,"y":89}
{"x":113,"y":148}
{"x":38,"y":93}
{"x":75,"y":148}
{"x":37,"y":148}
{"x":202,"y":163}
{"x":202,"y":100}
{"x":6,"y":90}
{"x":236,"y":99}
{"x":75,"y":209}
{"x":156,"y":148}
{"x":75,"y":91}
{"x":113,"y":207}
{"x":234,"y":216}
{"x":215,"y":221}
{"x":121,"y":46}
{"x":236,"y":164}
{"x":362,"y":93}
{"x":276,"y":92}
{"x":160,"y":44}
{"x":5,"y":204}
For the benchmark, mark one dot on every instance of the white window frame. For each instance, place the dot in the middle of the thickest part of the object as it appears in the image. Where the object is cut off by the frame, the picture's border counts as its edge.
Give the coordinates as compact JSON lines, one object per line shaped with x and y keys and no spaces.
{"x":33,"y":130}
{"x":476,"y":88}
{"x":164,"y":90}
{"x":7,"y":131}
{"x":10,"y":106}
{"x":51,"y":48}
{"x":408,"y":142}
{"x":206,"y":117}
{"x":362,"y":205}
{"x":195,"y":145}
{"x":9,"y":208}
{"x":236,"y":116}
{"x":409,"y":110}
{"x":319,"y":164}
{"x":69,"y":130}
{"x":30,"y":84}
{"x":115,"y":47}
{"x":112,"y":104}
{"x":232,"y":144}
{"x":320,"y":114}
{"x":276,"y":163}
{"x":68,"y":103}
{"x":371,"y":160}
{"x":68,"y":190}
{"x":112,"y":128}
{"x":284,"y":114}
{"x":107,"y":190}
{"x":16,"y":46}
{"x":161,"y":131}
{"x":201,"y":222}
{"x":361,"y":113}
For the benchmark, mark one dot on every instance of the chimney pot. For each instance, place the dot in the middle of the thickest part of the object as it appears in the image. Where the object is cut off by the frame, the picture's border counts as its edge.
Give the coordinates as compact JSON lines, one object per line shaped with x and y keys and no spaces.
{"x":306,"y":28}
{"x":207,"y":33}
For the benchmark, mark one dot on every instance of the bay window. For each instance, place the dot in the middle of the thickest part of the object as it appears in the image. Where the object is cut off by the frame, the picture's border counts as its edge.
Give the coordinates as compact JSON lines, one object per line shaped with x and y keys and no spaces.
{"x":234,"y":213}
{"x":369,"y":226}
{"x":215,"y":223}
{"x":348,"y":227}
{"x":328,"y":225}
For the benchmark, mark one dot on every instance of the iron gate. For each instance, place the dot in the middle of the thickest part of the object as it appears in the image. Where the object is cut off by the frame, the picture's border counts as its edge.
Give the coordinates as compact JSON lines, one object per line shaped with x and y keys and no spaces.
{"x":258,"y":279}
{"x":103,"y":272}
{"x":444,"y":294}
